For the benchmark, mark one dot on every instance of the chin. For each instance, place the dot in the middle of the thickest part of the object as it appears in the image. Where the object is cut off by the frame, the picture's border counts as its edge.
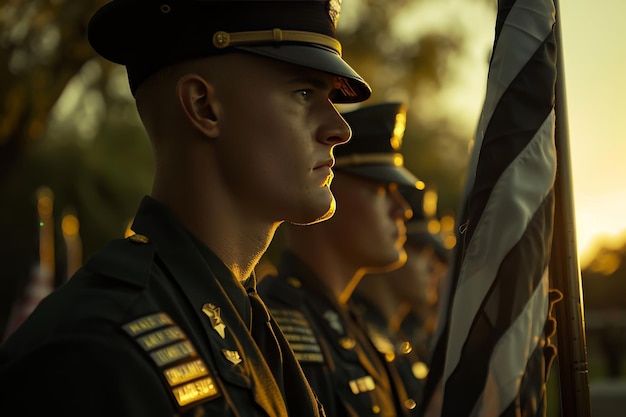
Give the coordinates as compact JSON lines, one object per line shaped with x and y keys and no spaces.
{"x":389,"y":263}
{"x":331,"y":207}
{"x":398,"y":261}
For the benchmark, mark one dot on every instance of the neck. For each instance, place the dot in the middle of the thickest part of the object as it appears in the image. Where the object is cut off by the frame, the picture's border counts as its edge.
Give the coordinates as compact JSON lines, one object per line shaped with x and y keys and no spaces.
{"x":395,"y":321}
{"x":314,"y":249}
{"x":348,"y":290}
{"x":238,"y":238}
{"x":376,"y":290}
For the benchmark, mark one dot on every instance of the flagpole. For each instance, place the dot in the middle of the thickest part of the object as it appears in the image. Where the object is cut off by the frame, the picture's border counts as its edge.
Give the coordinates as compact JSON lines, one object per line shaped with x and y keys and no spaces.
{"x":564,"y":264}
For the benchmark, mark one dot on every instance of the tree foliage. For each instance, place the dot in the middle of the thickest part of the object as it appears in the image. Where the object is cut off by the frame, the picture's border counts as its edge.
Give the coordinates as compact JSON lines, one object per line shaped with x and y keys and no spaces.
{"x":604,"y":279}
{"x":42,"y":46}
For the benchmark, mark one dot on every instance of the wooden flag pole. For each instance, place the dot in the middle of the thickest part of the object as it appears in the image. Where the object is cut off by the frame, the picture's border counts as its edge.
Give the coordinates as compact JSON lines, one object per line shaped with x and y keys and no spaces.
{"x":564,"y":265}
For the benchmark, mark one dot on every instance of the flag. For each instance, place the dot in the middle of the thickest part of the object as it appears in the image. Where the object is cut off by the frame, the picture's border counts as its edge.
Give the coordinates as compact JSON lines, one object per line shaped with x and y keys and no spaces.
{"x":492,"y":350}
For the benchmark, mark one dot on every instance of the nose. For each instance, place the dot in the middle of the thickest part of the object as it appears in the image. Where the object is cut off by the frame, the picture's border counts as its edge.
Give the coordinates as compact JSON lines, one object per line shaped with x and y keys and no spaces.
{"x":401,"y":208}
{"x":335,"y":130}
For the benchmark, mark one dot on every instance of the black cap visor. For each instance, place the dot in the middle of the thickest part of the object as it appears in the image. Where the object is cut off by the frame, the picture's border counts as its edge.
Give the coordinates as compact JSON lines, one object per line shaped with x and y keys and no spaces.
{"x":320,"y":58}
{"x":424,"y":238}
{"x":384,"y":173}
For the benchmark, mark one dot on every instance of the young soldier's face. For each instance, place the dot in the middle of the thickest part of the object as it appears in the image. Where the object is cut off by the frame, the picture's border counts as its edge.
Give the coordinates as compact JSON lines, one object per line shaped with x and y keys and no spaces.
{"x":368,"y":227}
{"x":277,"y":130}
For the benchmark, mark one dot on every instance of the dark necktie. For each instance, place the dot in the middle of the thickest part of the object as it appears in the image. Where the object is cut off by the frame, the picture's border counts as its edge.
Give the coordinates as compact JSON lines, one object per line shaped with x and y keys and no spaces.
{"x":264,"y":336}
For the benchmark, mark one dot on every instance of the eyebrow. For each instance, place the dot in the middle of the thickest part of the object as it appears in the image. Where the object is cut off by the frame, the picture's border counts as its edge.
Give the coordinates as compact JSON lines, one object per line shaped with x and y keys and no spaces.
{"x":316,"y":82}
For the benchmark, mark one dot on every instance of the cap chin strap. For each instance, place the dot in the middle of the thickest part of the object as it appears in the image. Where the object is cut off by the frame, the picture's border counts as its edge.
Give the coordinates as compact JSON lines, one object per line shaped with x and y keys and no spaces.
{"x":223,"y":39}
{"x":395,"y":159}
{"x":415,"y":227}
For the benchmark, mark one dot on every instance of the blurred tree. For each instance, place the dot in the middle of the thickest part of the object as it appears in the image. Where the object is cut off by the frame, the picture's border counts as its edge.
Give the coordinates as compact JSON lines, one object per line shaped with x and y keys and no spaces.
{"x":42,"y":46}
{"x":67,"y":122}
{"x":604,"y":287}
{"x":604,"y":279}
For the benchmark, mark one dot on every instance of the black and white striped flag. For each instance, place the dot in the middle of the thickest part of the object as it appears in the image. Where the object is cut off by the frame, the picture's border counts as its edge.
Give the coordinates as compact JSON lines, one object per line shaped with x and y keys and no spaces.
{"x":492,"y":355}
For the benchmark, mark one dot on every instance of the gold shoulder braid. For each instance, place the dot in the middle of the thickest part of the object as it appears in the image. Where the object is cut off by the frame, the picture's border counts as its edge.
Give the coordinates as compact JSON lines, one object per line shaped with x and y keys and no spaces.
{"x":168,"y":347}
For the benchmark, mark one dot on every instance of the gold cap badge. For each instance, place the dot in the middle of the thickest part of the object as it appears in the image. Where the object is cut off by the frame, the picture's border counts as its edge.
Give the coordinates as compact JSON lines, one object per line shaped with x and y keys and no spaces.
{"x":398,"y":130}
{"x":334,"y":11}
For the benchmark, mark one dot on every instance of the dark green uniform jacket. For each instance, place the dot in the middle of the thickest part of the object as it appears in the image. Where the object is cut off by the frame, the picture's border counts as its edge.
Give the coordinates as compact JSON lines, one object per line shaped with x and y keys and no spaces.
{"x":154,"y":325}
{"x":401,"y":359}
{"x":344,"y":369}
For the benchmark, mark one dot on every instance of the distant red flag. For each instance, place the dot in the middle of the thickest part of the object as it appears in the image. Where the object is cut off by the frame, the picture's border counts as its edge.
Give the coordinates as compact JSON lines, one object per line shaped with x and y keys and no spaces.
{"x":492,"y":355}
{"x":40,"y":283}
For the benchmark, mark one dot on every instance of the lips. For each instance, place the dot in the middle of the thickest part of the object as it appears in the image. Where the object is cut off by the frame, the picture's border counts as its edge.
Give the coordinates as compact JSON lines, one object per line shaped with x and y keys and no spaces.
{"x":401,"y":234}
{"x":328,"y":163}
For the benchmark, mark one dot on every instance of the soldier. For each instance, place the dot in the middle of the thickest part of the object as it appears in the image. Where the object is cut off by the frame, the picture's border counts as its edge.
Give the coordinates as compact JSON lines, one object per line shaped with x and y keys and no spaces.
{"x":398,"y":307}
{"x":416,"y":286}
{"x":323,"y":263}
{"x":237,"y":99}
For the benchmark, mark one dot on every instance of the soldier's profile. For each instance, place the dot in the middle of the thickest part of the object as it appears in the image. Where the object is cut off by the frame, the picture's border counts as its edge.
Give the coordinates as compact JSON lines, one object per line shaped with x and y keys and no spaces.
{"x":237,"y":98}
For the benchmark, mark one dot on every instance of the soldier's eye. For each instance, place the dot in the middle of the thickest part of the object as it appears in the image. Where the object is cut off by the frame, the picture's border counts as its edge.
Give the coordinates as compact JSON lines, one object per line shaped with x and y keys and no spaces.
{"x":303,"y":94}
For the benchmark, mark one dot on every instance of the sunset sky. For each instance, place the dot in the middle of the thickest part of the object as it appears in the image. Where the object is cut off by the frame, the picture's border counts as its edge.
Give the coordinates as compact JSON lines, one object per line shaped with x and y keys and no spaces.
{"x":595,"y":61}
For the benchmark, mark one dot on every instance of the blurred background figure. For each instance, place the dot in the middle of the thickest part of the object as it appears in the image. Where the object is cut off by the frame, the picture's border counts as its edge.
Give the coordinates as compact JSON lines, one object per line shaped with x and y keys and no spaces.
{"x":399,"y":307}
{"x":417,"y":285}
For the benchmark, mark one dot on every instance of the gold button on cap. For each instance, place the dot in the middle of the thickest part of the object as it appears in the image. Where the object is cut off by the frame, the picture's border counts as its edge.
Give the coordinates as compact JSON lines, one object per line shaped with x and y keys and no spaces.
{"x":375,"y":409}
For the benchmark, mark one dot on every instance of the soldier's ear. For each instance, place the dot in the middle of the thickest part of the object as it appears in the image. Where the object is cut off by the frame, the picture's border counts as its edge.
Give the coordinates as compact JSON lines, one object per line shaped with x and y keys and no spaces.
{"x":199,"y":103}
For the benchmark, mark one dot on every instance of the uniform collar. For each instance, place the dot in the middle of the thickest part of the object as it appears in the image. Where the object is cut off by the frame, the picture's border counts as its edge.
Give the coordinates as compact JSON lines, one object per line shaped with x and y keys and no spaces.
{"x":187,"y":257}
{"x":291,"y":266}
